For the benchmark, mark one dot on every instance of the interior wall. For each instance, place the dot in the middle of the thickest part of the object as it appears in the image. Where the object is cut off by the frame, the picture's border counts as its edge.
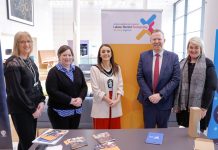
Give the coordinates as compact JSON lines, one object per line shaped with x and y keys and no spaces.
{"x":41,"y":31}
{"x":62,"y":25}
{"x":210,"y":26}
{"x":90,"y":28}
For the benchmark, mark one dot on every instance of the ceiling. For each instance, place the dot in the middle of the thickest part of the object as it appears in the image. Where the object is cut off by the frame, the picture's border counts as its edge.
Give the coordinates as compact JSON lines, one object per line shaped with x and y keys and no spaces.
{"x":116,"y":4}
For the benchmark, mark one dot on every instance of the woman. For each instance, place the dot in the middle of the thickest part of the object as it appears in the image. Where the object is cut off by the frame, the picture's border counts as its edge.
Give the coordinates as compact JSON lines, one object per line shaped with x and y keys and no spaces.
{"x":24,"y":92}
{"x":66,"y":88}
{"x":107,"y":87}
{"x":197,"y":85}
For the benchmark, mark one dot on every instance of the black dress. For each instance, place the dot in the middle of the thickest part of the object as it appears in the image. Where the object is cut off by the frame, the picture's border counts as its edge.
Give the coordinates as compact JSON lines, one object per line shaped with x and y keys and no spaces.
{"x":24,"y":93}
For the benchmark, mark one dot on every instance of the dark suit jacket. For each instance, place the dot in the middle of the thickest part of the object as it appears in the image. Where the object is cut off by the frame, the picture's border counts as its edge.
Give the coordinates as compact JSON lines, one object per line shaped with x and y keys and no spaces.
{"x":168,"y":79}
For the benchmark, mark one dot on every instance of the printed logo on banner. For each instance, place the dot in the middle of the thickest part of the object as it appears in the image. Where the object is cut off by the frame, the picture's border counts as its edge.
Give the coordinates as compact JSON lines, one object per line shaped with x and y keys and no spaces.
{"x":129,"y":26}
{"x":149,"y":26}
{"x":146,"y":26}
{"x":3,"y":133}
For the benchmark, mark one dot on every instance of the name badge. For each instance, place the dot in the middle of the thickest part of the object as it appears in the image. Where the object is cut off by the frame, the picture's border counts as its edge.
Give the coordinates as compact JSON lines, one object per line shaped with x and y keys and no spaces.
{"x":35,"y":84}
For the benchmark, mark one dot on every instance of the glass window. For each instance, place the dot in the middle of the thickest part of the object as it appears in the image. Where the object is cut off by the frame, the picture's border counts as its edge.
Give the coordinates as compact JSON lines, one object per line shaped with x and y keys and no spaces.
{"x":193,"y":5}
{"x":178,"y":47}
{"x":180,"y":8}
{"x":187,"y":24}
{"x":194,"y":21}
{"x":179,"y":26}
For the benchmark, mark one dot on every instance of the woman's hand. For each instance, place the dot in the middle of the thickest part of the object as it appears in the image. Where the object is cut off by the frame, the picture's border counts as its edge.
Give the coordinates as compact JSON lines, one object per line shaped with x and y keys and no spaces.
{"x":39,"y":110}
{"x":36,"y":114}
{"x":41,"y":106}
{"x":108,"y":100}
{"x":114,"y":102}
{"x":76,"y":102}
{"x":175,"y":109}
{"x":203,"y":112}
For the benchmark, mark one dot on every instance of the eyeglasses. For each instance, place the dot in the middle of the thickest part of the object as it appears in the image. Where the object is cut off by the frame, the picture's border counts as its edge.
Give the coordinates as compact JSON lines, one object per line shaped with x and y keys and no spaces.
{"x":24,"y":42}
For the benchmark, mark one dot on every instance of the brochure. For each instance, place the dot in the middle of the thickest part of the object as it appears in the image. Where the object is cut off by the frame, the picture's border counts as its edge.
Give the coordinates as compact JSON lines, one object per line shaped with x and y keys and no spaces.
{"x":103,"y":137}
{"x":107,"y":146}
{"x":154,"y":138}
{"x":51,"y":136}
{"x":76,"y":142}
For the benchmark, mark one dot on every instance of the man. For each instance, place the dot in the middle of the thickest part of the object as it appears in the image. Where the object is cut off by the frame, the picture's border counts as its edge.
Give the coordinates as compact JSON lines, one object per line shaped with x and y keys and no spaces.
{"x":158,"y":76}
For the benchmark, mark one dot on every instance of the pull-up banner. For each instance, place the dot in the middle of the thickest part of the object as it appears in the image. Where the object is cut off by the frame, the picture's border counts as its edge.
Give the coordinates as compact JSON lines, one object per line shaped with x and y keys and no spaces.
{"x":128,"y":32}
{"x":5,"y":133}
{"x":129,"y":26}
{"x":213,"y":124}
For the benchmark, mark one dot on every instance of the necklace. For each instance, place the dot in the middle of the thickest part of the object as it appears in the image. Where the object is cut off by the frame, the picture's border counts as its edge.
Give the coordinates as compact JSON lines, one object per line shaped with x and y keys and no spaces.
{"x":29,"y":66}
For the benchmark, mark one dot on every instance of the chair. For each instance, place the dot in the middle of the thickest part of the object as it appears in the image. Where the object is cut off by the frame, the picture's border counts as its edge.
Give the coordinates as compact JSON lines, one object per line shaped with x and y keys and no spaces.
{"x":47,"y":58}
{"x":85,"y":121}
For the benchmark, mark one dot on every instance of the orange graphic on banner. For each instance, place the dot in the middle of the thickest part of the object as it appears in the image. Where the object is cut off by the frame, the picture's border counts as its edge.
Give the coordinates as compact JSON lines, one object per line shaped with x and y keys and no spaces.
{"x":127,"y":56}
{"x":142,"y":33}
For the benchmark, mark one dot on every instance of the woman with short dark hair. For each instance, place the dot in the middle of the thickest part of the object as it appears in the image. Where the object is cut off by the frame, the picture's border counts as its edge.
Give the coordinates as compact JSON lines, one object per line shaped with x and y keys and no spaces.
{"x":66,"y":88}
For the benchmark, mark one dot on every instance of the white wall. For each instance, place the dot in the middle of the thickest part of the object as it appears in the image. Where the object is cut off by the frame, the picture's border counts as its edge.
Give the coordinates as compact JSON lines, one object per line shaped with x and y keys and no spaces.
{"x":62,"y":25}
{"x":42,"y":29}
{"x":90,"y":28}
{"x":167,"y":22}
{"x":210,"y":26}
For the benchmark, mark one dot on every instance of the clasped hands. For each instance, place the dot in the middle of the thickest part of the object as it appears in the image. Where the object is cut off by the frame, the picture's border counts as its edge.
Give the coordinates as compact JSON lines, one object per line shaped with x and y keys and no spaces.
{"x":154,"y":98}
{"x":111,"y":102}
{"x":76,"y":101}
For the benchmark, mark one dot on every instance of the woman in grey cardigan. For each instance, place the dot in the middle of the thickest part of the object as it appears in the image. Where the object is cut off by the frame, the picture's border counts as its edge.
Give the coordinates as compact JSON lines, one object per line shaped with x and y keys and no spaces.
{"x":197,"y":85}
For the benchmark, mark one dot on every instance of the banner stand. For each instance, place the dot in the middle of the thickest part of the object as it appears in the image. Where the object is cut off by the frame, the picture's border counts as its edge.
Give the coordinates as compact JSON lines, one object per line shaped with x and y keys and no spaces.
{"x":213,"y":124}
{"x":5,"y":132}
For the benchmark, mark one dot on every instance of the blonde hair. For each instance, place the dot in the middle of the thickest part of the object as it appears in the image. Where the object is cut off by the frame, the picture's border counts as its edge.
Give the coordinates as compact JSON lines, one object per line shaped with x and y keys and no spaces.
{"x":196,"y":41}
{"x":17,"y":37}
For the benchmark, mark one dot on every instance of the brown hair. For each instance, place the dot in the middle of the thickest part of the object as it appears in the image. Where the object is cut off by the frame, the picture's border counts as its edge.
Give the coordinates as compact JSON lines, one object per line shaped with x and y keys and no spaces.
{"x":113,"y":63}
{"x":17,"y":37}
{"x":63,"y":48}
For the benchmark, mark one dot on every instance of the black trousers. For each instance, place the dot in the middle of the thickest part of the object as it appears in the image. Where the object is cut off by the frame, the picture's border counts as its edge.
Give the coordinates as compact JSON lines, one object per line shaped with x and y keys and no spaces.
{"x":58,"y":122}
{"x":25,"y":125}
{"x":183,"y":118}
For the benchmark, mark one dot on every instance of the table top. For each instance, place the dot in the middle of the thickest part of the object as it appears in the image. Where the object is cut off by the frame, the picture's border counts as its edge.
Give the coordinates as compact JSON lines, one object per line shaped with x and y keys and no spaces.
{"x":134,"y":139}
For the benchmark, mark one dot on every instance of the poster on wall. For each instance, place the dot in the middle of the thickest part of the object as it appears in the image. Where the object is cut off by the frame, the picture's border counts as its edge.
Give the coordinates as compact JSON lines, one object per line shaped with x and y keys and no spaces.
{"x":213,"y":124}
{"x":5,"y":133}
{"x":129,"y":26}
{"x":128,"y":32}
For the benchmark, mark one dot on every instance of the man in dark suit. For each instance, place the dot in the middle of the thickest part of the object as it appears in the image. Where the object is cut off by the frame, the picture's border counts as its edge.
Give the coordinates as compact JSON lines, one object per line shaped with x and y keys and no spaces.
{"x":158,"y":76}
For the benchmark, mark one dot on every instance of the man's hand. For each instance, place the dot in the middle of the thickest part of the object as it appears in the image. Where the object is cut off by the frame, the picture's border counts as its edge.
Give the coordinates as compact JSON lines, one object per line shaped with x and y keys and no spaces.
{"x":155,"y":98}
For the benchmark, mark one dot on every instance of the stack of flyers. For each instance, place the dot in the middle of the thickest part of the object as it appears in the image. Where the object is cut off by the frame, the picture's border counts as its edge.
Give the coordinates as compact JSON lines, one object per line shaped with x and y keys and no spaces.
{"x":107,"y":146}
{"x":103,"y":137}
{"x":51,"y":136}
{"x":76,"y":143}
{"x":106,"y":142}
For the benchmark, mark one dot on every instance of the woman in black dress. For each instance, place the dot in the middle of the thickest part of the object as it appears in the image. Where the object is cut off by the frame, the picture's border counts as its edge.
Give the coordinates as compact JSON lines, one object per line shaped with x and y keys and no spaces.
{"x":24,"y":92}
